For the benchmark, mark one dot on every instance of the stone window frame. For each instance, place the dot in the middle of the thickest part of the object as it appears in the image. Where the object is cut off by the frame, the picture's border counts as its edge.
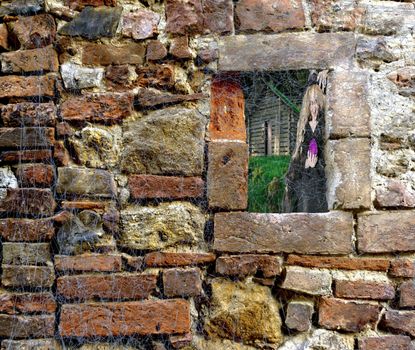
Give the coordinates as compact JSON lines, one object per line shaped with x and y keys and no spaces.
{"x":347,"y":151}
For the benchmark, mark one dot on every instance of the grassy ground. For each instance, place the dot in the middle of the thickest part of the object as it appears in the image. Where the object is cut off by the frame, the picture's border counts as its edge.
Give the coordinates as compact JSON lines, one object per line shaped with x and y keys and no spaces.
{"x":266,"y":183}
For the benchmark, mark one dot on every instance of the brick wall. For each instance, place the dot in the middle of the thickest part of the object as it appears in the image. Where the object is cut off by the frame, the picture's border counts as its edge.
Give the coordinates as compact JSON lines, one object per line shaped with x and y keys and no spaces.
{"x":123,"y":177}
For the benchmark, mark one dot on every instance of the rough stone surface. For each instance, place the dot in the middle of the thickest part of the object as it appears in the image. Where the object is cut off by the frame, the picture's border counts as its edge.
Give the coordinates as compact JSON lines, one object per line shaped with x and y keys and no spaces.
{"x":101,"y":54}
{"x":153,"y":186}
{"x":36,"y":326}
{"x":244,"y":265}
{"x":28,"y":201}
{"x":32,"y":344}
{"x":7,"y":180}
{"x":35,"y":175}
{"x":285,"y":51}
{"x":179,"y":47}
{"x":26,"y":253}
{"x":115,"y":319}
{"x":4,"y":36}
{"x":347,"y":315}
{"x":93,"y":23}
{"x":166,"y":259}
{"x":26,"y":137}
{"x":245,"y":311}
{"x":308,"y":281}
{"x":330,"y":233}
{"x":227,"y":179}
{"x":218,"y":16}
{"x":83,"y":181}
{"x":27,"y":276}
{"x":407,"y":294}
{"x":182,"y":282}
{"x":402,"y":268}
{"x":88,"y":263}
{"x":17,"y":86}
{"x":43,"y":155}
{"x":400,"y":322}
{"x":43,"y":59}
{"x":28,"y":114}
{"x":80,"y":4}
{"x":26,"y":303}
{"x":21,"y":7}
{"x":75,"y":76}
{"x":386,"y":232}
{"x":269,"y":15}
{"x":389,"y":342}
{"x":162,"y":226}
{"x":28,"y":230}
{"x":362,"y":289}
{"x":112,"y":287}
{"x":298,"y":316}
{"x":320,"y":339}
{"x":184,"y":17}
{"x":349,"y":180}
{"x":168,"y":141}
{"x":155,"y":51}
{"x":151,"y":97}
{"x":141,"y":24}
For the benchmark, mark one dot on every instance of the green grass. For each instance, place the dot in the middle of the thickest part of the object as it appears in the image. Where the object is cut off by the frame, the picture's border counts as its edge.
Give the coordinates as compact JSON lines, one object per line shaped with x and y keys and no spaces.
{"x":263,"y":197}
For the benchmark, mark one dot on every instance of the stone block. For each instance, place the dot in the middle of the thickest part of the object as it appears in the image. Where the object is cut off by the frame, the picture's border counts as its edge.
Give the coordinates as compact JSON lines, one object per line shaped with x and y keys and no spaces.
{"x":42,"y":155}
{"x":298,"y":316}
{"x":387,"y":342}
{"x":252,"y":264}
{"x":218,"y":16}
{"x":26,"y":303}
{"x":347,"y":316}
{"x":28,"y":230}
{"x":26,"y":137}
{"x":28,"y":201}
{"x":105,"y":55}
{"x":386,"y":232}
{"x":170,"y":259}
{"x":88,"y":263}
{"x":174,"y":187}
{"x":407,"y":294}
{"x":19,"y":326}
{"x":148,"y":317}
{"x":134,"y":263}
{"x":348,"y":174}
{"x":4,"y":36}
{"x":155,"y":51}
{"x":151,"y":97}
{"x":27,"y":86}
{"x":269,"y":15}
{"x":184,"y":17}
{"x":227,"y":178}
{"x":28,"y":114}
{"x":161,"y":76}
{"x":121,"y":286}
{"x":140,"y":24}
{"x":85,"y":182}
{"x":249,"y":53}
{"x":400,"y":322}
{"x":26,"y":253}
{"x":325,"y":233}
{"x":35,"y":175}
{"x":308,"y":281}
{"x":27,"y":276}
{"x":32,"y":344}
{"x":179,"y":47}
{"x":362,"y":289}
{"x":402,"y":268}
{"x":43,"y":59}
{"x":80,"y":4}
{"x":348,"y":112}
{"x":21,"y":7}
{"x":182,"y":282}
{"x":76,"y":77}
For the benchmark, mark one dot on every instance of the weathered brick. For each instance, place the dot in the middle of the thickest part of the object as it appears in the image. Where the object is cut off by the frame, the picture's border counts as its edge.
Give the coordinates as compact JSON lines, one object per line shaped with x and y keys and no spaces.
{"x":167,"y":259}
{"x":180,"y":341}
{"x":218,"y":16}
{"x":348,"y":109}
{"x":184,"y":17}
{"x":243,"y":265}
{"x":105,"y":108}
{"x":29,"y":114}
{"x":152,"y":186}
{"x":26,"y":230}
{"x":402,"y":268}
{"x":151,"y":97}
{"x":362,"y":289}
{"x":308,"y":281}
{"x":269,"y":52}
{"x":179,"y":47}
{"x":27,"y":276}
{"x":388,"y":342}
{"x":269,"y":15}
{"x":26,"y":137}
{"x":326,"y":233}
{"x":80,"y":4}
{"x":140,"y":24}
{"x":35,"y":175}
{"x":347,"y":315}
{"x":61,"y":155}
{"x":33,"y":31}
{"x":108,"y":286}
{"x":26,"y":253}
{"x":128,"y":318}
{"x":19,"y":86}
{"x":83,"y":204}
{"x":43,"y":59}
{"x":134,"y":263}
{"x":28,"y":201}
{"x":26,"y":156}
{"x":227,"y":178}
{"x":19,"y":326}
{"x":83,"y":181}
{"x":155,"y":51}
{"x":26,"y":303}
{"x":298,"y":316}
{"x":339,"y":262}
{"x":88,"y":262}
{"x":407,"y":294}
{"x":104,"y":55}
{"x":4,"y":35}
{"x":401,"y":322}
{"x":227,"y":110}
{"x":159,"y":76}
{"x":182,"y":282}
{"x":386,"y":232}
{"x":31,"y":344}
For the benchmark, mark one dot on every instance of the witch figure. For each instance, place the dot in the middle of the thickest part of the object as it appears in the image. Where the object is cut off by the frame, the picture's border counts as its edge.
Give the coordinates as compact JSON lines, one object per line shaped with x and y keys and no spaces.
{"x":305,"y":179}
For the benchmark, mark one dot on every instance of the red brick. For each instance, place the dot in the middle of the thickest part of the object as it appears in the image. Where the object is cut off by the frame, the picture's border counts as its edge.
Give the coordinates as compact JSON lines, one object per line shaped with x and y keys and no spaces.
{"x":166,"y":259}
{"x":26,"y":303}
{"x":106,"y":108}
{"x":27,"y":276}
{"x":364,"y":290}
{"x":348,"y":316}
{"x":26,"y":156}
{"x":35,"y":175}
{"x":29,"y":201}
{"x":152,"y":186}
{"x":112,"y":287}
{"x":33,"y":31}
{"x":26,"y":137}
{"x":128,"y":318}
{"x":339,"y":262}
{"x":43,"y":59}
{"x":389,"y":342}
{"x":243,"y":265}
{"x":182,"y":282}
{"x":136,"y":263}
{"x":402,"y":268}
{"x":407,"y":294}
{"x":269,"y":15}
{"x":401,"y":322}
{"x":227,"y":110}
{"x":29,"y":114}
{"x":19,"y":326}
{"x":19,"y":86}
{"x":26,"y":230}
{"x":184,"y":16}
{"x":88,"y":262}
{"x":105,"y":55}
